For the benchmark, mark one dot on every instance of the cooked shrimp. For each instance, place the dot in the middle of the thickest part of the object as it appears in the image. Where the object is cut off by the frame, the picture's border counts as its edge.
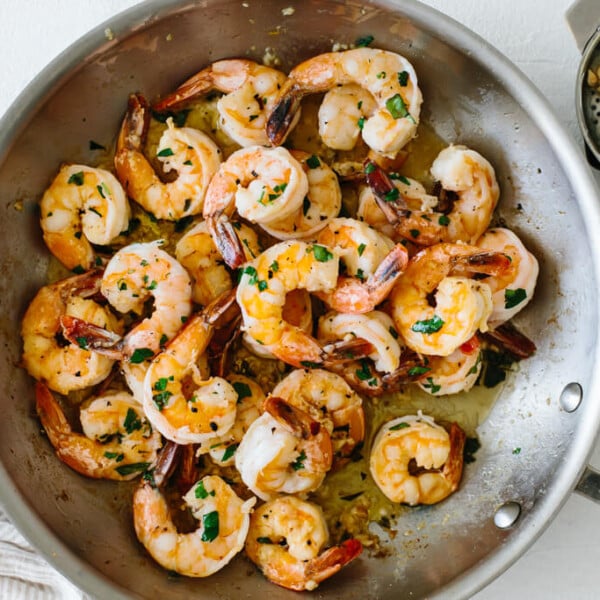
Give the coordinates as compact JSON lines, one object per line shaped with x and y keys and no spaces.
{"x":387,"y":76}
{"x":117,"y":441}
{"x":297,"y":311}
{"x":512,"y":290}
{"x":460,"y":306}
{"x":459,"y":170}
{"x":262,"y":290}
{"x":373,"y":264}
{"x":137,"y":273}
{"x":436,"y":454}
{"x":223,"y":521}
{"x":375,"y":327}
{"x":341,"y":114}
{"x":189,"y":152}
{"x":286,"y":539}
{"x":197,"y":252}
{"x":82,"y":206}
{"x":250,"y":91}
{"x":65,"y":368}
{"x":250,"y":398}
{"x":284,"y":451}
{"x":321,"y":204}
{"x":184,"y":406}
{"x":327,"y":398}
{"x":413,"y":194}
{"x":264,"y":185}
{"x":455,"y":373}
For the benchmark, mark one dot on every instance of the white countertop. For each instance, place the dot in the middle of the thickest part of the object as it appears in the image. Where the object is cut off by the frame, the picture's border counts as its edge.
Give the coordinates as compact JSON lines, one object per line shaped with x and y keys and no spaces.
{"x":563,"y":563}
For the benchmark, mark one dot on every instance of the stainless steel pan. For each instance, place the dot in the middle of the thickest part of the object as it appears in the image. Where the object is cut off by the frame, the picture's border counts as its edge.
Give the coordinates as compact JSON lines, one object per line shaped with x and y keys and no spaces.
{"x":473,"y":95}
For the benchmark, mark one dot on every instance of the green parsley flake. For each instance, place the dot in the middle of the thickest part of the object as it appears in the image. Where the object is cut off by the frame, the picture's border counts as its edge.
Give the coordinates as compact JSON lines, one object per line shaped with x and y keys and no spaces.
{"x":242,"y":390}
{"x":364,"y":41}
{"x":361,"y":123}
{"x":403,"y":78}
{"x":200,"y":491}
{"x":165,"y":152}
{"x":229,"y":452}
{"x":361,"y":249}
{"x":76,"y":178}
{"x":210,"y":522}
{"x":514,"y":297}
{"x":132,"y":421}
{"x":140,"y":355}
{"x":392,"y":195}
{"x":313,"y":162}
{"x":431,"y":386}
{"x":444,"y":220}
{"x":428,"y":325}
{"x":402,"y":425}
{"x":418,"y":370}
{"x":397,"y":108}
{"x":132,"y":468}
{"x":299,"y":462}
{"x":321,"y":253}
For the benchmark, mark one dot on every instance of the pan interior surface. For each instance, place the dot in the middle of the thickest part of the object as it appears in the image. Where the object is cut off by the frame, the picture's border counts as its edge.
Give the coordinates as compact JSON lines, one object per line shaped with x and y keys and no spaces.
{"x":531,"y":448}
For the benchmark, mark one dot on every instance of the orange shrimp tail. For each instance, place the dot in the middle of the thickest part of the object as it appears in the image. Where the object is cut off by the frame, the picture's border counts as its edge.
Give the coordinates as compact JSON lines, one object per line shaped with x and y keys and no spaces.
{"x":199,"y":84}
{"x":226,"y":240}
{"x":283,"y":113}
{"x":135,"y":124}
{"x":332,"y":560}
{"x":453,"y":466}
{"x":89,"y":336}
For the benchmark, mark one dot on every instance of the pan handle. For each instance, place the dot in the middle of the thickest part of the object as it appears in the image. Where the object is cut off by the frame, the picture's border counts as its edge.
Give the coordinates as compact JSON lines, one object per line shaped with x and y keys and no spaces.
{"x":589,"y":484}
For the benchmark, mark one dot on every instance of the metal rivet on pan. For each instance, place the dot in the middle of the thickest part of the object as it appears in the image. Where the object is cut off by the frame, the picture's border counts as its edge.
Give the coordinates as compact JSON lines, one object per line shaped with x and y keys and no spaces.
{"x":571,"y":397}
{"x":507,"y":515}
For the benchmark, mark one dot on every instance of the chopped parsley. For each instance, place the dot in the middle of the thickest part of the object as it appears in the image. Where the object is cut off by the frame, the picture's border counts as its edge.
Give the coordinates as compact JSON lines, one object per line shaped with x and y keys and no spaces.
{"x":397,"y":108}
{"x":398,"y":426}
{"x":140,"y":355}
{"x":361,"y":123}
{"x":363,"y":41}
{"x":305,"y":206}
{"x":418,"y":370}
{"x":132,"y":421}
{"x":403,"y":78}
{"x":201,"y":492}
{"x":514,"y":297}
{"x":242,"y":390}
{"x":432,"y":386}
{"x":165,"y":152}
{"x":117,"y":456}
{"x":132,"y":468}
{"x":428,"y":325}
{"x":229,"y":452}
{"x":210,"y":522}
{"x":76,"y":178}
{"x":321,"y":253}
{"x":313,"y":162}
{"x":444,"y":220}
{"x":361,"y":249}
{"x":299,"y":462}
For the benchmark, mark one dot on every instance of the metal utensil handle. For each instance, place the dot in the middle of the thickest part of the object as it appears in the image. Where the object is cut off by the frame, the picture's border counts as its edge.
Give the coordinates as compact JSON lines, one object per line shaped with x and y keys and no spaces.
{"x":589,"y":484}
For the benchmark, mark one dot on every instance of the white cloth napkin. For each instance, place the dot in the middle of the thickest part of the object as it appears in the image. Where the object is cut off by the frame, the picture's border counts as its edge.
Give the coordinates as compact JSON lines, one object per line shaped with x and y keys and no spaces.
{"x":25,"y":575}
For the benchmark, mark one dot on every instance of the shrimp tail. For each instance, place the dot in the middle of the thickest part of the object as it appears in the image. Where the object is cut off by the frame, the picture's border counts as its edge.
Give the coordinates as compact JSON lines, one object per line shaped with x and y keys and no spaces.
{"x":199,"y":84}
{"x":453,"y":466}
{"x":135,"y":124}
{"x":332,"y":560}
{"x":219,"y":306}
{"x":226,"y":240}
{"x":343,"y":351}
{"x":388,"y":199}
{"x":282,"y":115}
{"x":512,"y":340}
{"x":489,"y":263}
{"x":168,"y":459}
{"x":91,"y":337}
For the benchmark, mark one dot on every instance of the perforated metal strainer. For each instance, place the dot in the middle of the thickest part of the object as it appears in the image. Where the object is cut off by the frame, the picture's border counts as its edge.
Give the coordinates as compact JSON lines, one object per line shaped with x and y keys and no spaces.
{"x":583,"y":18}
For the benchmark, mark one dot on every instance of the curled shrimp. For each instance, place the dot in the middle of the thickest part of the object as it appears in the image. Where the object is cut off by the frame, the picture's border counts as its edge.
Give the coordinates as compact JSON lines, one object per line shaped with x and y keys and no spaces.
{"x":82,"y":206}
{"x":341,"y":112}
{"x":250,"y":399}
{"x":197,"y":252}
{"x":264,"y":185}
{"x":140,"y":272}
{"x":321,"y":204}
{"x":286,"y":540}
{"x":413,"y":194}
{"x":436,"y":308}
{"x":437,"y":456}
{"x":65,"y":367}
{"x":284,"y":451}
{"x":459,"y":170}
{"x":179,"y":401}
{"x":513,"y":290}
{"x":373,"y":264}
{"x":328,"y":399}
{"x":189,"y":152}
{"x":387,"y":76}
{"x":222,"y":523}
{"x":375,"y":327}
{"x":250,"y":90}
{"x":297,"y":311}
{"x":117,"y":441}
{"x":457,"y":372}
{"x":261,"y":295}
